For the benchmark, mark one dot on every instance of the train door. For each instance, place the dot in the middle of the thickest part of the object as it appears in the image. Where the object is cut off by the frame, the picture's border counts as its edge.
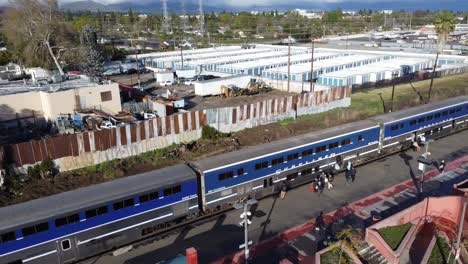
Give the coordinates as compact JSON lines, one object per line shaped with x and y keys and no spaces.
{"x":67,"y":250}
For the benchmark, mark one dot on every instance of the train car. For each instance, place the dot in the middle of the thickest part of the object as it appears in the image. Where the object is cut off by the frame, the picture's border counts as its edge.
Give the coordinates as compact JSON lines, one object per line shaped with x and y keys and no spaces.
{"x":257,"y":171}
{"x":73,"y":225}
{"x":432,"y":120}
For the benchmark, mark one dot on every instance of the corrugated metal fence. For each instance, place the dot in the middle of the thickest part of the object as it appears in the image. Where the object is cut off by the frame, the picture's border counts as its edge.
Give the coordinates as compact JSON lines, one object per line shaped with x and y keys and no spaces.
{"x":94,"y":147}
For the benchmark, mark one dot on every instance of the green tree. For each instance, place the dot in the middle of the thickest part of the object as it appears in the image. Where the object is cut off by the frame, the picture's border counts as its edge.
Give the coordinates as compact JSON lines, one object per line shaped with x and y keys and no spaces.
{"x":444,"y":24}
{"x":38,"y":31}
{"x":348,"y":237}
{"x":5,"y":57}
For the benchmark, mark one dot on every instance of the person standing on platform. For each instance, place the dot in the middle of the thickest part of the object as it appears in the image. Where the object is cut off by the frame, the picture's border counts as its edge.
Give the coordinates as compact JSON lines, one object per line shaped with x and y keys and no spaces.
{"x":284,"y":188}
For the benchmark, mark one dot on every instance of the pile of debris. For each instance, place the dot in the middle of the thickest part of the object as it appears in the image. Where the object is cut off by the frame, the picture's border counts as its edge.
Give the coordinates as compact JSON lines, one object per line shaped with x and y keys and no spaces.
{"x":251,"y":89}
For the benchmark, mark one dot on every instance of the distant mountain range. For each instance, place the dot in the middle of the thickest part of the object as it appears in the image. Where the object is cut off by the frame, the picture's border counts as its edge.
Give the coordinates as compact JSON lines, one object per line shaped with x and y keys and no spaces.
{"x":191,"y":6}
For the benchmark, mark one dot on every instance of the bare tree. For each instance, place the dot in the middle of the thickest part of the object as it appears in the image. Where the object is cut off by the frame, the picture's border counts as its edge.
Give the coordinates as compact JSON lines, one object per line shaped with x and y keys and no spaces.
{"x":39,"y":26}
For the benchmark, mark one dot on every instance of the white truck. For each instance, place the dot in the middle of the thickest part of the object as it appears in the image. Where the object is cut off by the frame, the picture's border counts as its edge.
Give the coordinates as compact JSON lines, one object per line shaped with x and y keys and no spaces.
{"x":164,"y":78}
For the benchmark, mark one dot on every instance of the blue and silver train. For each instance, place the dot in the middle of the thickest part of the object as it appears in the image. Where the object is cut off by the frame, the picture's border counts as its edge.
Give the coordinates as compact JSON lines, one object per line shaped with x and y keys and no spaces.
{"x":78,"y":224}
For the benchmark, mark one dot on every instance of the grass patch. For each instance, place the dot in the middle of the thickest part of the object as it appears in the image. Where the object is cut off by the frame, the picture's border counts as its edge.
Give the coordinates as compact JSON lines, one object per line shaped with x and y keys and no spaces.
{"x":370,"y":103}
{"x":393,"y":235}
{"x":333,"y":257}
{"x":440,"y":252}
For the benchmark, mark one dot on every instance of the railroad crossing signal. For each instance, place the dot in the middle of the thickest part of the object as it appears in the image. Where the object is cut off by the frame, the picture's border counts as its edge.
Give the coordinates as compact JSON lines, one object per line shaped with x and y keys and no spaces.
{"x":243,"y":245}
{"x":243,"y":222}
{"x":243,"y":214}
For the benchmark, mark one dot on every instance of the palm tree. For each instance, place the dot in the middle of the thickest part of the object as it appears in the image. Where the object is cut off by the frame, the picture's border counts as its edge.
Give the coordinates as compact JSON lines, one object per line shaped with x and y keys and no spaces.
{"x":444,"y":24}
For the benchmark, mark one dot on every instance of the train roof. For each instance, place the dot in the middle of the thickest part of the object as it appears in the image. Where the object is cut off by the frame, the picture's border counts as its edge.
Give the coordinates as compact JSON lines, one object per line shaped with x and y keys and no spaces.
{"x":91,"y":196}
{"x":283,"y":144}
{"x":405,"y":113}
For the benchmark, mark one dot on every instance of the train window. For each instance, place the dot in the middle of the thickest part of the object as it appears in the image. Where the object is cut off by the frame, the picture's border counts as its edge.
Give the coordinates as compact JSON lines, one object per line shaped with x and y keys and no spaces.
{"x":66,"y":244}
{"x":445,"y":113}
{"x":240,"y":171}
{"x":293,"y":156}
{"x":10,"y":236}
{"x":458,"y":109}
{"x":31,"y":230}
{"x":60,"y":222}
{"x":224,"y":176}
{"x":429,"y":118}
{"x":402,"y":125}
{"x":148,"y":197}
{"x":412,"y":122}
{"x":307,"y":152}
{"x":421,"y":120}
{"x":118,"y":205}
{"x":261,"y":165}
{"x":360,"y":138}
{"x":102,"y":210}
{"x":333,"y":145}
{"x":42,"y":227}
{"x":67,"y":220}
{"x":27,"y":231}
{"x":129,"y":202}
{"x":394,"y":127}
{"x":452,"y":111}
{"x":437,"y":115}
{"x":346,"y":142}
{"x":153,"y":195}
{"x":96,"y":212}
{"x":291,"y":176}
{"x":143,"y":198}
{"x":306,"y":171}
{"x":320,"y":149}
{"x":277,"y":161}
{"x":178,"y":188}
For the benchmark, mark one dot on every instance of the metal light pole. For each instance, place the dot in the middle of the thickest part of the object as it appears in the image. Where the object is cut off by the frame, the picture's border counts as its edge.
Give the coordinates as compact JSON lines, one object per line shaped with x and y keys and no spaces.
{"x":460,"y":229}
{"x":423,"y":164}
{"x":245,"y":222}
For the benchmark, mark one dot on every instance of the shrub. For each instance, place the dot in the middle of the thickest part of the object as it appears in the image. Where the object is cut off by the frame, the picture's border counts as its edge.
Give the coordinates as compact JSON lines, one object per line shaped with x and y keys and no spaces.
{"x":211,"y":133}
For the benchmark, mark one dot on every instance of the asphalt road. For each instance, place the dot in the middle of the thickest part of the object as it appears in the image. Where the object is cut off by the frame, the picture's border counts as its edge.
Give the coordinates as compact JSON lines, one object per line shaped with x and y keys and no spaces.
{"x":222,"y":235}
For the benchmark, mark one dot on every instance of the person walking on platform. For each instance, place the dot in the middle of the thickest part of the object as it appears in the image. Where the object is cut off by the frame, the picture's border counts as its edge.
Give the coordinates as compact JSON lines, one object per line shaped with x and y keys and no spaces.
{"x":348,"y":173}
{"x":330,"y":178}
{"x":441,"y":166}
{"x":284,"y":188}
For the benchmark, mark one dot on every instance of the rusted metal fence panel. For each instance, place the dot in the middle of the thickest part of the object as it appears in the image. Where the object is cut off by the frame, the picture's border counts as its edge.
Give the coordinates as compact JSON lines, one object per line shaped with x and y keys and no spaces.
{"x":133,"y":133}
{"x":176,"y":124}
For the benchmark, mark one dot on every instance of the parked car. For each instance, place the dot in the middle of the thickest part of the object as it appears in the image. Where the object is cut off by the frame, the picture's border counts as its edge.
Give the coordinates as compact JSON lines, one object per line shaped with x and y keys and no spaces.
{"x":190,"y":81}
{"x":111,"y":72}
{"x":181,"y":80}
{"x":107,"y":125}
{"x":166,"y":83}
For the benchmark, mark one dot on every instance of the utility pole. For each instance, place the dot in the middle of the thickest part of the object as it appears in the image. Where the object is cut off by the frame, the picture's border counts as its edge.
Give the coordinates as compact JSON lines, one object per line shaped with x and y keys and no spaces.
{"x":312,"y":67}
{"x":394,"y":75}
{"x":181,"y":56}
{"x":166,"y":18}
{"x":410,"y":20}
{"x":202,"y":18}
{"x":289,"y":61}
{"x":245,"y":223}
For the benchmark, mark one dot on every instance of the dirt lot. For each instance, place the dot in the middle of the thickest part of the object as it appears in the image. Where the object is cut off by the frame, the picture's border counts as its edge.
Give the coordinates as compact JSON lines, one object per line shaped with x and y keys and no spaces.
{"x":364,"y":105}
{"x":131,"y":79}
